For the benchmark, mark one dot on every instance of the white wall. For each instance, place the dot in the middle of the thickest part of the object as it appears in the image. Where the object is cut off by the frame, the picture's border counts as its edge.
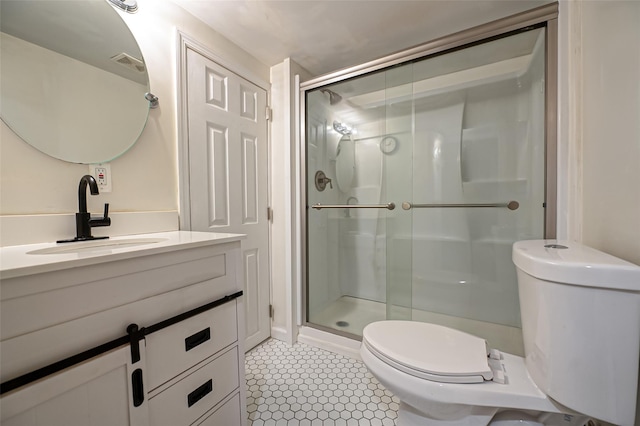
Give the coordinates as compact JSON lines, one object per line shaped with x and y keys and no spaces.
{"x":611,"y":127}
{"x":599,"y":130}
{"x":145,"y":179}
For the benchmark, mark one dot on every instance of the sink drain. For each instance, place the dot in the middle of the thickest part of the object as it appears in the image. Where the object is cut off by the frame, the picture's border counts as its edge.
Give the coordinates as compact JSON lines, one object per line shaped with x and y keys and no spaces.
{"x":342,"y":324}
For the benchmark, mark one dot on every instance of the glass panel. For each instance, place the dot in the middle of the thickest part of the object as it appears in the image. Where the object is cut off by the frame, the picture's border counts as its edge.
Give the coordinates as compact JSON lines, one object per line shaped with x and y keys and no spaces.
{"x":479,"y":138}
{"x":396,"y":145}
{"x":466,"y":127}
{"x":321,"y":264}
{"x":346,"y":246}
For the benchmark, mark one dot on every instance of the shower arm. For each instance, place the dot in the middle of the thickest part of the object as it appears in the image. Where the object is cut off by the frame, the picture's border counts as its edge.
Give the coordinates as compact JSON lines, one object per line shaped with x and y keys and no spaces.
{"x":389,"y":206}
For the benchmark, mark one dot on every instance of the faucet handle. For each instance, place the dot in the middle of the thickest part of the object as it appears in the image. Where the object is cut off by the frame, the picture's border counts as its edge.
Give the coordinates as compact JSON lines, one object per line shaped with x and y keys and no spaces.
{"x":105,"y":220}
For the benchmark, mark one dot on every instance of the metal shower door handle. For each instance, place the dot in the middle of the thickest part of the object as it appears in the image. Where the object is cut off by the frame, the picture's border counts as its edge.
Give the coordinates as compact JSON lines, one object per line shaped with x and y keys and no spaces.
{"x":388,"y":206}
{"x":511,"y":205}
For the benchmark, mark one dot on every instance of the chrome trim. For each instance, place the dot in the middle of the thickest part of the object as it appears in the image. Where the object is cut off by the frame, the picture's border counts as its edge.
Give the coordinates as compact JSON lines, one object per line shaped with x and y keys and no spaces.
{"x":388,"y":206}
{"x":302,"y":203}
{"x":551,"y":130}
{"x":332,"y":330}
{"x":153,"y":100}
{"x":298,"y":261}
{"x":511,"y":205}
{"x":510,"y":23}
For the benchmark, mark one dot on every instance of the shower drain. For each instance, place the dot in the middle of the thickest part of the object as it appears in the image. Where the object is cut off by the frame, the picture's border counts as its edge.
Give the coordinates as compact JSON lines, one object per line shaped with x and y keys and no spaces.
{"x":342,"y":324}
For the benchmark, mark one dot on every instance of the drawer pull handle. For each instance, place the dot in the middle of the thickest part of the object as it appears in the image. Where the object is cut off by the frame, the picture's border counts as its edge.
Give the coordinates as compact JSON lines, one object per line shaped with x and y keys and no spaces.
{"x":200,"y":393}
{"x":197,"y":339}
{"x":137,"y":389}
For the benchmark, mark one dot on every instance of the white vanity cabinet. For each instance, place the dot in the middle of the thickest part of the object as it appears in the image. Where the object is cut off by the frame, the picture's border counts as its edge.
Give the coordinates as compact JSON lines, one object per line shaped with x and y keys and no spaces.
{"x":95,"y":393}
{"x":187,"y":362}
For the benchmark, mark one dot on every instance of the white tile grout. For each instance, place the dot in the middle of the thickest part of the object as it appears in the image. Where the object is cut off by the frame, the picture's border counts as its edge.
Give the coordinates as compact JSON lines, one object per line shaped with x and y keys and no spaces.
{"x":304,"y":385}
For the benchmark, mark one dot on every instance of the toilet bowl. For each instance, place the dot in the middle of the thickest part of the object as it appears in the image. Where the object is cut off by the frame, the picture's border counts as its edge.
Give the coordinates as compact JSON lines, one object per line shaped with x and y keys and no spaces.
{"x":427,"y":401}
{"x":580,"y":313}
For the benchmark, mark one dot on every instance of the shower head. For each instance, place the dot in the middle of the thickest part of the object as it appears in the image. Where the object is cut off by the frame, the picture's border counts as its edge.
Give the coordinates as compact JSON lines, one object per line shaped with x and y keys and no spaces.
{"x":334,"y":98}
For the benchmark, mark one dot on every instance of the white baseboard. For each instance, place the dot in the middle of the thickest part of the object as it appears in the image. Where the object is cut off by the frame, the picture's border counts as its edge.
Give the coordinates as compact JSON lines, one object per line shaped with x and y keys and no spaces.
{"x":279,"y":333}
{"x":330,"y":342}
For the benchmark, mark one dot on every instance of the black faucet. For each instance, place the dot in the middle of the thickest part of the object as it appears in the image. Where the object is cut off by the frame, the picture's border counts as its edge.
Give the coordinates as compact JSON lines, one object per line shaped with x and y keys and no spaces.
{"x":84,"y":221}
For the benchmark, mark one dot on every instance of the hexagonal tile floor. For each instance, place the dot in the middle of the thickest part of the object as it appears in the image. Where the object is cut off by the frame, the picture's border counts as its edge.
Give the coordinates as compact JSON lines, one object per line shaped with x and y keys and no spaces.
{"x":303,"y":385}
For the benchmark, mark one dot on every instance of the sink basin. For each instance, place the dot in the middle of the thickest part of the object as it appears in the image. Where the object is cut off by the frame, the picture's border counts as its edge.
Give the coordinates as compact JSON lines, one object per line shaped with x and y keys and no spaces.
{"x":96,"y":246}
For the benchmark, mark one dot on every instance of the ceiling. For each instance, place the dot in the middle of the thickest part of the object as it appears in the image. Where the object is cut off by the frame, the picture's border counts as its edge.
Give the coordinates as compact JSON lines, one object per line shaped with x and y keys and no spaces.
{"x":328,"y":35}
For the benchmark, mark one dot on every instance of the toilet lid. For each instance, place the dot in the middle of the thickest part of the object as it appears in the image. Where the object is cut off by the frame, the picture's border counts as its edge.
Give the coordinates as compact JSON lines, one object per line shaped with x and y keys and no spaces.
{"x":429,"y":351}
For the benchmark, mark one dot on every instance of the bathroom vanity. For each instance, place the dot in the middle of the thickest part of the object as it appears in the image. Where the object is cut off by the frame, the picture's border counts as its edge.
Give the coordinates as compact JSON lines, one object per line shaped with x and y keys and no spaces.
{"x":139,"y":330}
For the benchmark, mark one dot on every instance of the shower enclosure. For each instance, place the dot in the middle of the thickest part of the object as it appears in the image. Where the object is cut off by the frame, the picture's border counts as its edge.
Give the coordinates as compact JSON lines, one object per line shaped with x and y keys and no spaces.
{"x":419,"y":178}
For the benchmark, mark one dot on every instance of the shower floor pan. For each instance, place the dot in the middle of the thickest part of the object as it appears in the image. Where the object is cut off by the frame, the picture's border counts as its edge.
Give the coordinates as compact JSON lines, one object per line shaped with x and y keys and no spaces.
{"x":351,"y":315}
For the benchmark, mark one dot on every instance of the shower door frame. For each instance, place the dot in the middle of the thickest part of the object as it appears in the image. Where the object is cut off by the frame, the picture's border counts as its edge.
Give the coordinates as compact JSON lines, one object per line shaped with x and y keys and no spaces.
{"x":544,"y":16}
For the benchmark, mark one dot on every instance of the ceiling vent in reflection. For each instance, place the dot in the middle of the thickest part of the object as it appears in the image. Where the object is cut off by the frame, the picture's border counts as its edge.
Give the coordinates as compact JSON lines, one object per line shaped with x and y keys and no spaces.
{"x":129,"y":62}
{"x":130,"y":6}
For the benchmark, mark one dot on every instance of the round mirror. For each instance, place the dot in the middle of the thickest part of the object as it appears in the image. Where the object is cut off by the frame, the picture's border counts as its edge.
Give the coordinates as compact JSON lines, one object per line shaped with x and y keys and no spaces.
{"x":73,"y":80}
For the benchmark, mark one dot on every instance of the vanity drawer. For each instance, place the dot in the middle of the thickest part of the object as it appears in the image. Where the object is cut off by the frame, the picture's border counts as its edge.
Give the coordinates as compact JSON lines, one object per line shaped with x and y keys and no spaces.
{"x":180,"y":346}
{"x":227,"y":415}
{"x":193,"y":396}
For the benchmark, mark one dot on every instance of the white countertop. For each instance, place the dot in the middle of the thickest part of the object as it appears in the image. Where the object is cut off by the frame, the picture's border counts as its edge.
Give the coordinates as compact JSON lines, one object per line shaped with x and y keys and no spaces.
{"x":16,"y":261}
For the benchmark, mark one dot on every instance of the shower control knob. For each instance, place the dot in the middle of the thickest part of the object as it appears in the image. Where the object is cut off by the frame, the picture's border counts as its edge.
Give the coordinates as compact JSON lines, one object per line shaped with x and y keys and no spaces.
{"x":321,"y":180}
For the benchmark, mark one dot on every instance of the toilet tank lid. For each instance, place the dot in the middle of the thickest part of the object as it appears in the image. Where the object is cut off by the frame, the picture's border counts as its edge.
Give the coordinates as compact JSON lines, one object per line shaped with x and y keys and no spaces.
{"x":573,"y":263}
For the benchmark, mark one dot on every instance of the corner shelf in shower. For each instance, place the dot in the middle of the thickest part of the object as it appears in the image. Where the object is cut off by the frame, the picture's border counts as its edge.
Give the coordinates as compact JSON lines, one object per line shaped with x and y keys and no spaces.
{"x":476,"y":190}
{"x":447,"y":83}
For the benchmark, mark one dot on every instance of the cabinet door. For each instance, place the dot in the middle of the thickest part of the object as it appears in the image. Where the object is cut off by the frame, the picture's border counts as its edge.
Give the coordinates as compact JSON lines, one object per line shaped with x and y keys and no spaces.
{"x":97,"y":392}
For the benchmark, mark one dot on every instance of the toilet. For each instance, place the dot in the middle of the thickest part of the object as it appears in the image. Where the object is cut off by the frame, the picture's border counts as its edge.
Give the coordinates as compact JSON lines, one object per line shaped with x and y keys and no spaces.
{"x":580,"y":311}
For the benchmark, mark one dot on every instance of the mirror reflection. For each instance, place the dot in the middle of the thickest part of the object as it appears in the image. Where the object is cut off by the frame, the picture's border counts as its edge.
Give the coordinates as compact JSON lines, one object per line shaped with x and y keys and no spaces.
{"x":73,"y":79}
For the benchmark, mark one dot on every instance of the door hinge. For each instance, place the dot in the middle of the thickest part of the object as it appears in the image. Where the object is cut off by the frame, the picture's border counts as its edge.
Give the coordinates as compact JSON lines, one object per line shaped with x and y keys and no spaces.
{"x":269,"y":214}
{"x":268,"y":114}
{"x":270,"y":311}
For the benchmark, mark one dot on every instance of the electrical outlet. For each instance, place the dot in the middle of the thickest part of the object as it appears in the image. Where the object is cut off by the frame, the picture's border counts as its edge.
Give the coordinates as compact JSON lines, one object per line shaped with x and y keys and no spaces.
{"x":102,"y":174}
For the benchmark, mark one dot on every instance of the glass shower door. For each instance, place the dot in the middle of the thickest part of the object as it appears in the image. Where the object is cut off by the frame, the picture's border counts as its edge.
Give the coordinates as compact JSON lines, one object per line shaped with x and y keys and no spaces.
{"x":478,"y":182}
{"x":456,"y":142}
{"x":358,"y":163}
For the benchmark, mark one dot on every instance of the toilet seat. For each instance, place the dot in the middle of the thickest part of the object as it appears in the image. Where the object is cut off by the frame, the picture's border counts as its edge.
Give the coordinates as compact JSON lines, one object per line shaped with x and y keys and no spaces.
{"x":433,"y":352}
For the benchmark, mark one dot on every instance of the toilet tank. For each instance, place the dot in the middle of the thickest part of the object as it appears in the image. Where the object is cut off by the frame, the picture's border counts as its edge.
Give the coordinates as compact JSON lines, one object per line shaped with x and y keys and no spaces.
{"x":580,"y":312}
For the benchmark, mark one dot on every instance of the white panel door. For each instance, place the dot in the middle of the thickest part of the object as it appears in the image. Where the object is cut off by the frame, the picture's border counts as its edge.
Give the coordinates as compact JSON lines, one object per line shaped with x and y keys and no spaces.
{"x":228,"y":174}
